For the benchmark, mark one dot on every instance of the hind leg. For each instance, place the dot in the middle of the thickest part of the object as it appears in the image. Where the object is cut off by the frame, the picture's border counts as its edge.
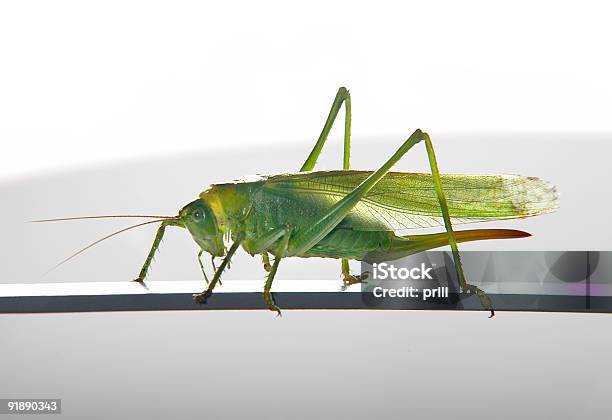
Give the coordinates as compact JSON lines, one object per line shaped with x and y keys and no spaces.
{"x":349,"y":279}
{"x":343,"y":96}
{"x":265,"y":259}
{"x":307,"y":238}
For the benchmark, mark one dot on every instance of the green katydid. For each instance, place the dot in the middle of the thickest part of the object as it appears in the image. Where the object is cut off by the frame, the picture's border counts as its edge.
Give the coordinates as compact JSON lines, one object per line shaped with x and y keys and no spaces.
{"x":348,"y":214}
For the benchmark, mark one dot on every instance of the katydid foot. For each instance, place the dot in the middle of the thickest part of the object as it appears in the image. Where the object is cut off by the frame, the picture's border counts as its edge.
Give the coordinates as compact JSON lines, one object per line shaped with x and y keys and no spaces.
{"x":202,"y":297}
{"x":484,"y":299}
{"x":270,"y":303}
{"x":141,"y":281}
{"x":349,"y":279}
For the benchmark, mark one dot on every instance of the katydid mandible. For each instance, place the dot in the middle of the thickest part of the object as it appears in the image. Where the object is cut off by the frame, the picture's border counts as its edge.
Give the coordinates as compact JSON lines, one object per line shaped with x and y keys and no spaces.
{"x":348,"y":214}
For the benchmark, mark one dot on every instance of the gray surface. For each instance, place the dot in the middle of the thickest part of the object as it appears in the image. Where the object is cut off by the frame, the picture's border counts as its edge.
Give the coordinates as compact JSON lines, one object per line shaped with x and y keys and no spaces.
{"x":531,"y":281}
{"x":335,"y":365}
{"x":309,"y":364}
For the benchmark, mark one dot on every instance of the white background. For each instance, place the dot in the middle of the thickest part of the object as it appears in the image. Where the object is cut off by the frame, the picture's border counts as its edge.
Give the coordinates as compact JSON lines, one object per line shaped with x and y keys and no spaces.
{"x":136,"y":106}
{"x":84,"y":82}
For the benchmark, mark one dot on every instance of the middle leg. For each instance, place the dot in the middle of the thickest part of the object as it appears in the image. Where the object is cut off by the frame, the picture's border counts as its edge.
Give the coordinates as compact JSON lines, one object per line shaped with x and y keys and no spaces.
{"x":280,"y":253}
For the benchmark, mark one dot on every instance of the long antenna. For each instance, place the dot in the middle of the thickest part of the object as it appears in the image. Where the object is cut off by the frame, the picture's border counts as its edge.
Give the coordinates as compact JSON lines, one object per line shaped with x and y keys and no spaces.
{"x":103,"y":239}
{"x":111,"y":216}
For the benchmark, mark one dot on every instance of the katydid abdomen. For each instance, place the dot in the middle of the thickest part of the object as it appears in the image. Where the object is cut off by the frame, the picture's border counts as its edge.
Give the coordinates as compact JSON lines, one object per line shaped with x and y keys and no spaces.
{"x":379,"y":246}
{"x":263,"y":205}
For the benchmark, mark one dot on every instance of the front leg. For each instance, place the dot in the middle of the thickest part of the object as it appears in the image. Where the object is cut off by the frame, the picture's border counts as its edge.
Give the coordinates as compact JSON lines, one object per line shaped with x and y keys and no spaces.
{"x":158,"y":237}
{"x":202,"y":297}
{"x":202,"y":266}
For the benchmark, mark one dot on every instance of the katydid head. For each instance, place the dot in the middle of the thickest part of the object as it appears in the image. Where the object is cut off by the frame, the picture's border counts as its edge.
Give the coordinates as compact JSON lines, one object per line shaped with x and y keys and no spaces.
{"x":197,"y":217}
{"x":200,"y":221}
